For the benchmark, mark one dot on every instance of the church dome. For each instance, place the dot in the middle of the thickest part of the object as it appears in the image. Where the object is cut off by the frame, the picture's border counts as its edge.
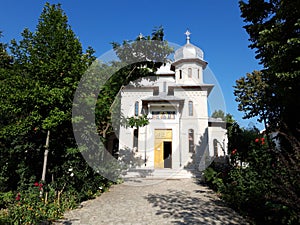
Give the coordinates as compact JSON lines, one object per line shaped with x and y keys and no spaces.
{"x":188,"y":51}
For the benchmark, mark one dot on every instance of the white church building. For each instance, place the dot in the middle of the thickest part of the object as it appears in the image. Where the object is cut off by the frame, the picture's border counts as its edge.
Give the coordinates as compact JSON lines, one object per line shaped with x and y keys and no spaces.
{"x":180,"y":133}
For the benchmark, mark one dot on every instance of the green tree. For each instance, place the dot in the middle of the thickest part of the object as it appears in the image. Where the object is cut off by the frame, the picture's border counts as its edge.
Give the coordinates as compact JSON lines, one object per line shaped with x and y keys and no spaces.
{"x":220,"y":114}
{"x":5,"y":58}
{"x":273,"y":27}
{"x":5,"y":71}
{"x":272,"y":95}
{"x":48,"y":64}
{"x":251,"y":93}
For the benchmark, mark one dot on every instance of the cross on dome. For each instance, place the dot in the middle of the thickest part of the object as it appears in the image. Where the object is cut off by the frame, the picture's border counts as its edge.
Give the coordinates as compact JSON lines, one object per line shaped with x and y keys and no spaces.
{"x":188,"y":51}
{"x":188,"y":33}
{"x":141,"y":36}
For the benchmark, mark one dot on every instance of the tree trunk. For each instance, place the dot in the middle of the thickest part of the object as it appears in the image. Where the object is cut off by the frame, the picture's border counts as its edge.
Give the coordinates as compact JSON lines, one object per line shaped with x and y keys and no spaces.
{"x":46,"y":156}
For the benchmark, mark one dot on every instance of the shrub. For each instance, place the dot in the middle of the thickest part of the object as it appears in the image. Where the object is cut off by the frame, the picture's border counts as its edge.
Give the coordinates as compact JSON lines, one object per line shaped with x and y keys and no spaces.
{"x":266,"y":190}
{"x":212,"y":178}
{"x":39,"y":203}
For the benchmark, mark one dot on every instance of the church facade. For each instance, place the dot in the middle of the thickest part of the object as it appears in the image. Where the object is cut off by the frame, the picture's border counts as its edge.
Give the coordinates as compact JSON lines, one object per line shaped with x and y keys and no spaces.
{"x":180,"y":133}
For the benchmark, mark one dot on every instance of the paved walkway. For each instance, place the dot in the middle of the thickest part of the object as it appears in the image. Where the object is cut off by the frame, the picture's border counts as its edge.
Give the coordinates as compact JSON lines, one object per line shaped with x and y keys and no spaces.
{"x":146,"y":202}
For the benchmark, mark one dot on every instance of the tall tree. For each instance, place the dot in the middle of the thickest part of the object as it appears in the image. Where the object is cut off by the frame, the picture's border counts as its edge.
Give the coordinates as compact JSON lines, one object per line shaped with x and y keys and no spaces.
{"x":48,"y":64}
{"x":251,"y":93}
{"x":272,"y":94}
{"x":5,"y":71}
{"x":5,"y":58}
{"x":273,"y":27}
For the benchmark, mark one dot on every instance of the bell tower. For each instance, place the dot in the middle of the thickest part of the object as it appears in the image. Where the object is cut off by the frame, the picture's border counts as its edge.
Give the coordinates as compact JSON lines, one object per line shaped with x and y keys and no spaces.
{"x":189,"y":63}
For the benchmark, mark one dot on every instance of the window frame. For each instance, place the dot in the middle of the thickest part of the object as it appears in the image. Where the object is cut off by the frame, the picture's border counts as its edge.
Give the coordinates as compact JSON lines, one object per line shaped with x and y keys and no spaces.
{"x":191,"y":141}
{"x":190,"y":72}
{"x":191,"y":108}
{"x":136,"y":108}
{"x":135,"y":144}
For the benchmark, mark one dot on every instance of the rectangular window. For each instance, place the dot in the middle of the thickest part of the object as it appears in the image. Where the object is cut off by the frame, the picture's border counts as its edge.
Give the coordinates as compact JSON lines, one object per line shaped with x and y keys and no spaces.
{"x":135,"y":139}
{"x":155,"y":91}
{"x":191,"y":140}
{"x":215,"y":142}
{"x":191,"y":108}
{"x":180,"y":74}
{"x":136,"y":109}
{"x":171,"y":91}
{"x":165,"y":86}
{"x":163,"y":115}
{"x":190,"y":72}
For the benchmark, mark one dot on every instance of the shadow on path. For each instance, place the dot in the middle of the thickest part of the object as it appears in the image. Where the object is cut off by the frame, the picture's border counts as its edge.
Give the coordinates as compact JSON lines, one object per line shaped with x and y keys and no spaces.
{"x":193,"y":207}
{"x":177,"y":202}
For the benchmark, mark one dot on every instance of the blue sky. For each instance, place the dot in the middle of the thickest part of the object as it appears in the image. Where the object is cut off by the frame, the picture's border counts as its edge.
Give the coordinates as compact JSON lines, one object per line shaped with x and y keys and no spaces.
{"x":216,"y":28}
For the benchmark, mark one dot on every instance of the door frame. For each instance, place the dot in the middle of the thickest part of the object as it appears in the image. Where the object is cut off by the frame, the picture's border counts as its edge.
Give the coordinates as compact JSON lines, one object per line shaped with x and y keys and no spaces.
{"x":161,"y":136}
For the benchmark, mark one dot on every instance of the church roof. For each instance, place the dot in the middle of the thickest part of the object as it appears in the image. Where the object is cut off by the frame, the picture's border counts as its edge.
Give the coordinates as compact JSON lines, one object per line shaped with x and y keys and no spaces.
{"x":188,"y":51}
{"x":216,"y":122}
{"x":162,"y":97}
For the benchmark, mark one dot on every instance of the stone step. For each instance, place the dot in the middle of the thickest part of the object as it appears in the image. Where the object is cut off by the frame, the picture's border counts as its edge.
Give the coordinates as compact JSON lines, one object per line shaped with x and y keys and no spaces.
{"x":160,"y":173}
{"x":172,"y":174}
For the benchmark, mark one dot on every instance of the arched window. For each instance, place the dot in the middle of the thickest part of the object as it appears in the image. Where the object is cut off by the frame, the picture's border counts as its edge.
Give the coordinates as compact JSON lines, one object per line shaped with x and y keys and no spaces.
{"x":135,"y":139}
{"x":190,"y":108}
{"x":136,"y":108}
{"x":180,"y":74}
{"x":191,"y":140}
{"x":215,"y":142}
{"x":189,"y":72}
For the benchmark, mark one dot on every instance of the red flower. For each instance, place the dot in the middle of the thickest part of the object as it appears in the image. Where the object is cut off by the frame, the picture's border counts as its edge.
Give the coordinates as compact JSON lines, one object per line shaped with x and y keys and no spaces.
{"x":256,"y":140}
{"x":40,"y":185}
{"x":18,"y":197}
{"x":36,"y":184}
{"x":234,"y":151}
{"x":262,"y":139}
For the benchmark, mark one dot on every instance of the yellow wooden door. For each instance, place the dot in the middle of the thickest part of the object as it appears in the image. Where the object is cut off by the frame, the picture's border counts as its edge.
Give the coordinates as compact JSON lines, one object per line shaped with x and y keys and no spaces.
{"x":158,"y":154}
{"x":160,"y":137}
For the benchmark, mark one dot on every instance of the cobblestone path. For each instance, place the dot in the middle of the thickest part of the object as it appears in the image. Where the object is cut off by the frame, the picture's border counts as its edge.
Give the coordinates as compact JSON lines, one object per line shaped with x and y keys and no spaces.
{"x":146,"y":202}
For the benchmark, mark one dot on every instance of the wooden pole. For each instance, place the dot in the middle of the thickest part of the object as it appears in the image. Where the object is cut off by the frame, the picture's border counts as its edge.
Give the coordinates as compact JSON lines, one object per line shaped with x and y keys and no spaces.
{"x":46,"y":156}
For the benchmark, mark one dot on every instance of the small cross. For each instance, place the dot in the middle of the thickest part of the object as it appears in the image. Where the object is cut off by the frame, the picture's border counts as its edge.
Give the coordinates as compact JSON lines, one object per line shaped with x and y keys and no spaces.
{"x":188,"y":33}
{"x":140,"y":36}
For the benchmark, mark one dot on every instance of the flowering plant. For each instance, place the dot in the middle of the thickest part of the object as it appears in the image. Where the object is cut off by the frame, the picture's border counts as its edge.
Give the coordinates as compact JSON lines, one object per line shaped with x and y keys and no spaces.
{"x":39,"y":203}
{"x":260,"y":140}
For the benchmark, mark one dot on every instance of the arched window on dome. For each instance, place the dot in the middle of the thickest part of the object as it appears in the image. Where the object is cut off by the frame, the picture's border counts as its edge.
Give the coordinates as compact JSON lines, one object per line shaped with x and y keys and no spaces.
{"x":189,"y":72}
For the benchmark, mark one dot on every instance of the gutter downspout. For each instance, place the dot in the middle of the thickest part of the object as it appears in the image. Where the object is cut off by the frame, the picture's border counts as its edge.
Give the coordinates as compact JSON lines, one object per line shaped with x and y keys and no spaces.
{"x":180,"y":153}
{"x":146,"y":145}
{"x":146,"y":130}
